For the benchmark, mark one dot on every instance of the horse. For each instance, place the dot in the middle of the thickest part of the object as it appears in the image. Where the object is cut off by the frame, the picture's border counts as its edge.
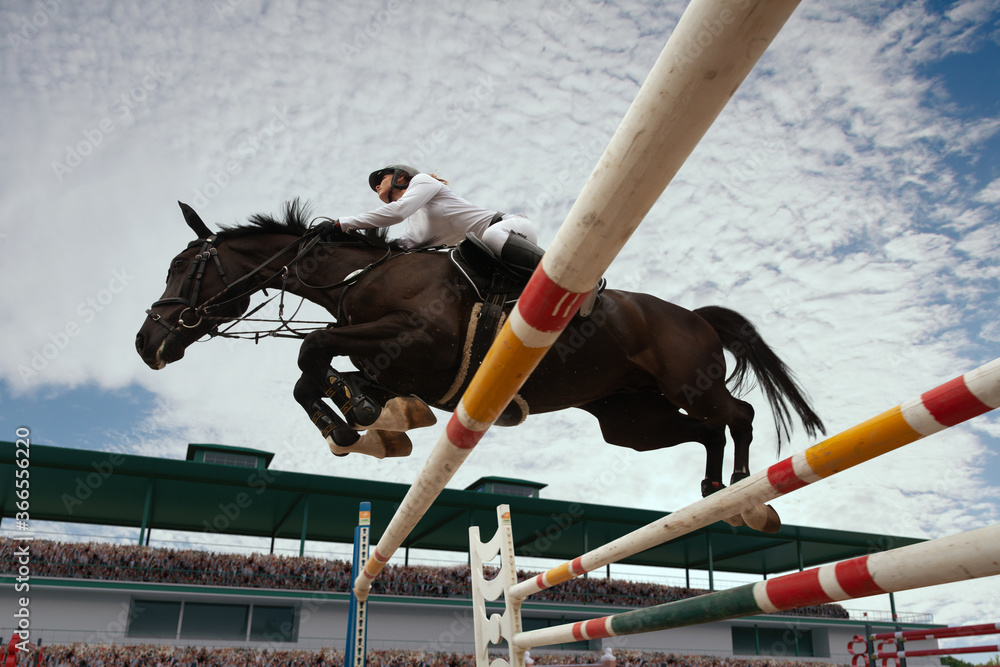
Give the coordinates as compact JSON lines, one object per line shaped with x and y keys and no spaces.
{"x":654,"y":374}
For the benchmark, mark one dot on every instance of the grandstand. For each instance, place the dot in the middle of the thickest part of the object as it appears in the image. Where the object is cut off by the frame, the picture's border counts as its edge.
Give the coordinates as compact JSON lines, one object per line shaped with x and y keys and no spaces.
{"x":155,"y":590}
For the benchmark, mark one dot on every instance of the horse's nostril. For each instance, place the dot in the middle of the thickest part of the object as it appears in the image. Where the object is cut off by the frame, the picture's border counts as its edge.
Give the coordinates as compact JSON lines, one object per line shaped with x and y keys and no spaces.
{"x":140,"y":343}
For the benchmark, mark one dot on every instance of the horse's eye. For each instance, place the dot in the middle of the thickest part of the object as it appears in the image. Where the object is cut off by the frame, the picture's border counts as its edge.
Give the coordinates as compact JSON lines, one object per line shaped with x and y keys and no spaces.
{"x":178,"y":264}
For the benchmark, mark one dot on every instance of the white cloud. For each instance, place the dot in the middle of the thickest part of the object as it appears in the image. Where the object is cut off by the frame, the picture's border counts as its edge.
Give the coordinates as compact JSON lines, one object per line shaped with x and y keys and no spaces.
{"x":821,"y":204}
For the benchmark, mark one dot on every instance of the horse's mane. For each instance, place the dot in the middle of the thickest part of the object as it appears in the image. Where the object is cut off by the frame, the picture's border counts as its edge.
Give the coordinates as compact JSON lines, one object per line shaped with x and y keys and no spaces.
{"x":295,"y":220}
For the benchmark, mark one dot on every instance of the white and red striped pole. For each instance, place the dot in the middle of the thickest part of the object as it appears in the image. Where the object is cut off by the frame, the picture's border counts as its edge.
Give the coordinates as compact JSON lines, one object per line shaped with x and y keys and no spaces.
{"x":951,"y":403}
{"x":940,"y":633}
{"x":969,"y":555}
{"x":714,"y":46}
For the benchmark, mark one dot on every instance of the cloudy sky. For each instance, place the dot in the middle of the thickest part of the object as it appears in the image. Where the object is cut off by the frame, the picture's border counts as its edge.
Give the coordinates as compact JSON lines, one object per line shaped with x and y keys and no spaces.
{"x":846,"y":201}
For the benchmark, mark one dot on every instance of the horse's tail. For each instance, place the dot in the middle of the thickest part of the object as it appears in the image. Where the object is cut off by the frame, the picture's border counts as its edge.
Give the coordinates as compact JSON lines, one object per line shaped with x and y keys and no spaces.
{"x":740,"y":337}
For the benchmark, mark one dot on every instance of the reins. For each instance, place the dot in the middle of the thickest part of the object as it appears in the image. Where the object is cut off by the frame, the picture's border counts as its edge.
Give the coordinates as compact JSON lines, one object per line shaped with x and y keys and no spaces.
{"x":193,"y":280}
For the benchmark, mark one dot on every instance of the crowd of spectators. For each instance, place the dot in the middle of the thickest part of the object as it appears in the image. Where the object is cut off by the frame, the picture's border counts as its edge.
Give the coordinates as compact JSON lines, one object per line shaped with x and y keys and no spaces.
{"x":118,"y":562}
{"x":149,"y":655}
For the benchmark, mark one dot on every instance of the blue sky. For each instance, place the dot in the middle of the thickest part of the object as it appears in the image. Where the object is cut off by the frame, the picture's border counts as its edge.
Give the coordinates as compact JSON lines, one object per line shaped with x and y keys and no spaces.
{"x":846,"y":201}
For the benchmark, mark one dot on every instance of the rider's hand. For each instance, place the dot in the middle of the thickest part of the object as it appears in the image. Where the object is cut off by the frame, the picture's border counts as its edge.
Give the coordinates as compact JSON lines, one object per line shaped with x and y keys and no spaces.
{"x":328,"y":230}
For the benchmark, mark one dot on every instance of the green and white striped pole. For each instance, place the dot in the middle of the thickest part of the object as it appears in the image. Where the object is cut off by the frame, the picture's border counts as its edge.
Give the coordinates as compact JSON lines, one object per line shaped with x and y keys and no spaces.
{"x":969,"y":555}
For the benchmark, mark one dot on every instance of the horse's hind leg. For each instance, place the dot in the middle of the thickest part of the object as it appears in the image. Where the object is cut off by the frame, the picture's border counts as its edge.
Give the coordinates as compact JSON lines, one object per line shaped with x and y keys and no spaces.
{"x":646,"y":421}
{"x":738,"y":416}
{"x":742,"y":432}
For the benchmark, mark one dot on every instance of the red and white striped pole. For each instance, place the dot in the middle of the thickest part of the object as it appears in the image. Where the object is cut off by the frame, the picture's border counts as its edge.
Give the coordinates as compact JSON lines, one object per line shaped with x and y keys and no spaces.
{"x":714,"y":46}
{"x":940,"y":633}
{"x":951,"y":403}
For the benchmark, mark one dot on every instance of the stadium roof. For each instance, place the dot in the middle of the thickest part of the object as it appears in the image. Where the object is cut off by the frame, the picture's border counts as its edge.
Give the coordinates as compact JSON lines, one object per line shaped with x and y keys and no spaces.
{"x":106,"y":488}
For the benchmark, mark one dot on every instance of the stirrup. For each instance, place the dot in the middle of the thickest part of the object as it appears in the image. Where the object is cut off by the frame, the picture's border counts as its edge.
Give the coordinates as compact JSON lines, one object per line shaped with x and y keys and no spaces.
{"x":591,"y":300}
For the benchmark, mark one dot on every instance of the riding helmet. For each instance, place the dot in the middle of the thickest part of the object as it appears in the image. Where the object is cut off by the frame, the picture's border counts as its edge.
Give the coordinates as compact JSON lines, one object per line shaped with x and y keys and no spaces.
{"x":395,"y":169}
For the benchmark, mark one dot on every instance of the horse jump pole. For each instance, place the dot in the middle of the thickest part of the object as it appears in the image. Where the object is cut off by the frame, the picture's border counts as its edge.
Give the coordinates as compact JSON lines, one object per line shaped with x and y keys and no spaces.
{"x":884,"y":646}
{"x":940,"y":633}
{"x":969,"y":555}
{"x":951,"y":403}
{"x":714,"y":46}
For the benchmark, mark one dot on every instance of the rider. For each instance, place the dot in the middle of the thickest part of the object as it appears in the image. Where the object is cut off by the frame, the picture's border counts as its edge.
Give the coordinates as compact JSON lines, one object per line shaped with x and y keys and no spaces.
{"x":432,"y":214}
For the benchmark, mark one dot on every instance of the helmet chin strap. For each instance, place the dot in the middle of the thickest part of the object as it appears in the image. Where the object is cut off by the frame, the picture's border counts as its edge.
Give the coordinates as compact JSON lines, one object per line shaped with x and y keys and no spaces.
{"x":393,"y":187}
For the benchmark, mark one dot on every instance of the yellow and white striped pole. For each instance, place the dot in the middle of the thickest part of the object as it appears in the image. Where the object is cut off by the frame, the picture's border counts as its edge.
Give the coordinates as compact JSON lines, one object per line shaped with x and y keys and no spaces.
{"x":966,"y":396}
{"x":714,"y":46}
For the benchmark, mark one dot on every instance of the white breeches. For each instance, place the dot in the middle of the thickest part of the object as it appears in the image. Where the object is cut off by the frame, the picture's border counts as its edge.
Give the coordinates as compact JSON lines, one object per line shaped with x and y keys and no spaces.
{"x":496,"y":235}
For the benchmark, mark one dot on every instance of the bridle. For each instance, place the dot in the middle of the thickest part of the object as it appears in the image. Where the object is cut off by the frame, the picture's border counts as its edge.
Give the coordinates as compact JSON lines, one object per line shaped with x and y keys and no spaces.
{"x":191,"y":288}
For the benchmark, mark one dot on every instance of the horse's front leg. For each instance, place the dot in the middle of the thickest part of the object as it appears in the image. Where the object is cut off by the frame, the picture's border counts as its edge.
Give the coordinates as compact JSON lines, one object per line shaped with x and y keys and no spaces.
{"x":348,"y":391}
{"x":310,"y":394}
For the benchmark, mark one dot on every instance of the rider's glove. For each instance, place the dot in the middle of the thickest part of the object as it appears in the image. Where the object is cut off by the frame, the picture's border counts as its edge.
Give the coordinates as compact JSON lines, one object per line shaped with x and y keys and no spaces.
{"x":328,"y":230}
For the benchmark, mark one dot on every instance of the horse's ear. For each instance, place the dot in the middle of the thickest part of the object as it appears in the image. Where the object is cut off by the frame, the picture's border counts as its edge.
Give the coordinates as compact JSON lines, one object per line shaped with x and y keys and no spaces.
{"x":195,"y":222}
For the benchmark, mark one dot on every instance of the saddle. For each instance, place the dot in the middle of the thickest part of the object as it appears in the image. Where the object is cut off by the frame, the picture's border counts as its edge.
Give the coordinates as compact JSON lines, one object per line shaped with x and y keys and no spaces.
{"x":492,"y":278}
{"x":496,"y":283}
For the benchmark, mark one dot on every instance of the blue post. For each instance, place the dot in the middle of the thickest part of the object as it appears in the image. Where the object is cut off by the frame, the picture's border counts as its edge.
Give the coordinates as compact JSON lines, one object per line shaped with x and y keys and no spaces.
{"x":357,"y":621}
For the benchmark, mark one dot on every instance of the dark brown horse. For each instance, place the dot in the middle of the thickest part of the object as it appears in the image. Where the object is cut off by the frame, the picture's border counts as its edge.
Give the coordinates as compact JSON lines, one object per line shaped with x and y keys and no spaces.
{"x":653,"y":373}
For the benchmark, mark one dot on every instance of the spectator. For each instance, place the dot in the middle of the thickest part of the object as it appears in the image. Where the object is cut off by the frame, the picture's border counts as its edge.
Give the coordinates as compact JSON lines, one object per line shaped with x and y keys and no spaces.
{"x":117,"y":562}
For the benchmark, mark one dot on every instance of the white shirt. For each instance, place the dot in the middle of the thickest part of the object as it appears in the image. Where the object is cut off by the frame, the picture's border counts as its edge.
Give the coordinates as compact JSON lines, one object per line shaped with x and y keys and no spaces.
{"x":430,"y":212}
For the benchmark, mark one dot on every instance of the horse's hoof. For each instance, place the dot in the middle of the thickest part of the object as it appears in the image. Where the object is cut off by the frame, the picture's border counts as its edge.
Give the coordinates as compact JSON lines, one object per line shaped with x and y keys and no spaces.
{"x":762,"y":518}
{"x":735,"y":521}
{"x":380,"y":444}
{"x":396,"y":443}
{"x":403,"y":413}
{"x":419,"y":413}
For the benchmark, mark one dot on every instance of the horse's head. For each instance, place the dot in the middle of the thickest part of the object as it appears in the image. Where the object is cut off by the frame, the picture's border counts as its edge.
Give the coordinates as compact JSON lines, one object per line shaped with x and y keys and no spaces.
{"x":194,"y":302}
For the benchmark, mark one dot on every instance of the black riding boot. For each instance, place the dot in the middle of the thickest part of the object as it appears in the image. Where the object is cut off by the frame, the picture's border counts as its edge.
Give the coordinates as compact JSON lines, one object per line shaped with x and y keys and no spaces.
{"x":523,"y":256}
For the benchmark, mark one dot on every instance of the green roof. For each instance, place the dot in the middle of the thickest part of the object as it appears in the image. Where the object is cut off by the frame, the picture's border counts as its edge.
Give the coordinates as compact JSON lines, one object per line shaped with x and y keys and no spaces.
{"x":505,"y":480}
{"x":112,"y":489}
{"x":228,"y":449}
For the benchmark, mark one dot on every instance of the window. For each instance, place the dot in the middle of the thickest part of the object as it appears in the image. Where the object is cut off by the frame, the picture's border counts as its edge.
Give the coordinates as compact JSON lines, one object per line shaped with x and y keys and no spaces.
{"x":511,"y":490}
{"x":772,"y":641}
{"x":235,"y":460}
{"x":273,"y":624}
{"x":216,"y":621}
{"x":153,"y":618}
{"x":203,"y":620}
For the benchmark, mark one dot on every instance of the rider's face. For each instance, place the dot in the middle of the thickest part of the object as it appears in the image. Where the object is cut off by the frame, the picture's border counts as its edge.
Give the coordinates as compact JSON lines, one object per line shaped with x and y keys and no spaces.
{"x":383,"y":188}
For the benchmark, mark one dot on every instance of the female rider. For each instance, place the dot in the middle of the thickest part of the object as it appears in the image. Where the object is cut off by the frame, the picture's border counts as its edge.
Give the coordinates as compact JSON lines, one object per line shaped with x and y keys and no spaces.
{"x":431,"y":214}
